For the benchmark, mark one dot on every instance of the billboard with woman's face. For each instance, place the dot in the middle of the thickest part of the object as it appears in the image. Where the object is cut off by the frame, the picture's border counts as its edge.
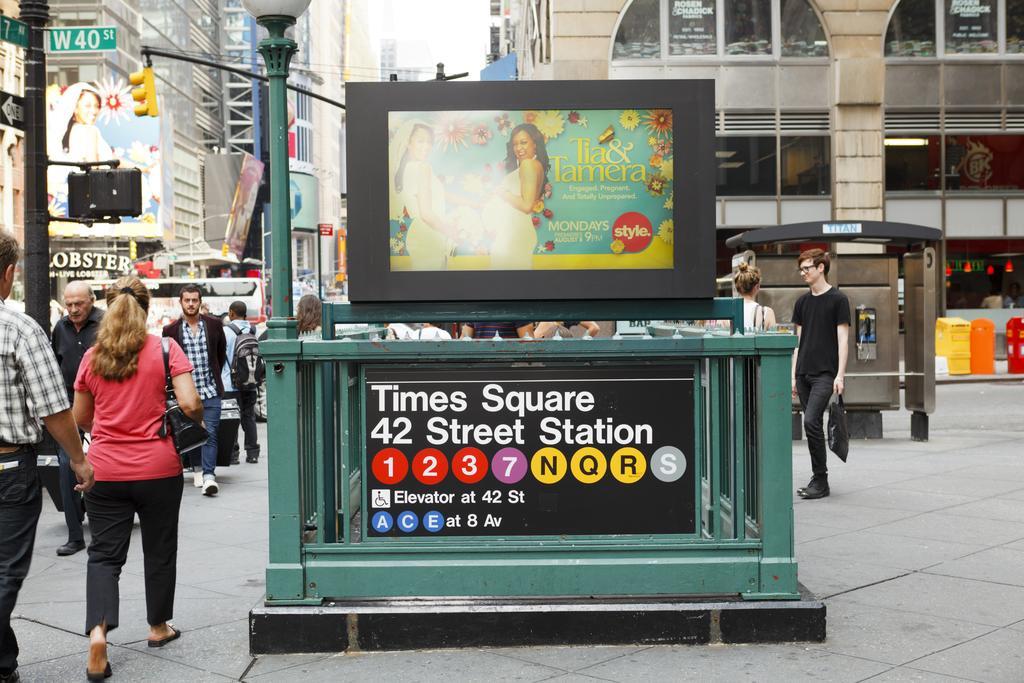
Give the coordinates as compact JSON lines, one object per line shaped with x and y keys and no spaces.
{"x":531,"y":190}
{"x":94,"y":122}
{"x":563,"y":189}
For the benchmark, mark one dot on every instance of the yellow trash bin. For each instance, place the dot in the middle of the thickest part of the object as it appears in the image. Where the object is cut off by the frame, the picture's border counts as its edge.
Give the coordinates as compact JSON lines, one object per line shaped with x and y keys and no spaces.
{"x":953,"y":341}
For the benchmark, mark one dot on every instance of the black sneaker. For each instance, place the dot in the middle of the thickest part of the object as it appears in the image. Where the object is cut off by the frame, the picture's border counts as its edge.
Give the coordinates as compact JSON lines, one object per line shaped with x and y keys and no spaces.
{"x":252,"y":459}
{"x":816,"y":489}
{"x":804,"y":488}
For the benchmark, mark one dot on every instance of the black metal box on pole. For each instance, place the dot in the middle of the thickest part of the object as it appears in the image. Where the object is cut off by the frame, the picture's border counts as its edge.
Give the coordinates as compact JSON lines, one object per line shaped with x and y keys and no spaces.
{"x":107,"y":192}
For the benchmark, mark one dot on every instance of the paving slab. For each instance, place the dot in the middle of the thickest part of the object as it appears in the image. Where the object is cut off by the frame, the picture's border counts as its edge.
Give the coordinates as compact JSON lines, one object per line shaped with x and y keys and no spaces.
{"x":996,"y":565}
{"x":736,"y":663}
{"x":825,"y":577}
{"x":567,"y":658}
{"x":127,"y":665}
{"x":214,"y":649}
{"x":443,"y":666}
{"x":902,"y":674}
{"x":886,"y":550}
{"x":997,"y":657}
{"x":950,"y":525}
{"x":853,"y":629}
{"x":979,"y":602}
{"x":836,"y":511}
{"x":40,"y":643}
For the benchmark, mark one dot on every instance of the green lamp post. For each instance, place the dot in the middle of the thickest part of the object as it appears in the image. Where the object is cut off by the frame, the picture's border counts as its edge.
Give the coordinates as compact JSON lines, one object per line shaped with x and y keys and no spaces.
{"x":277,"y":50}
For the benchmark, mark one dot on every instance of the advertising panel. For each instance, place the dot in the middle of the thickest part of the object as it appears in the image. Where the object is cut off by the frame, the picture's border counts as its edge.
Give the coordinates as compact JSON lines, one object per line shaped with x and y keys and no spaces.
{"x":242,"y":204}
{"x":304,"y":199}
{"x":495,"y":191}
{"x":94,"y":122}
{"x":531,"y":190}
{"x":499,"y":452}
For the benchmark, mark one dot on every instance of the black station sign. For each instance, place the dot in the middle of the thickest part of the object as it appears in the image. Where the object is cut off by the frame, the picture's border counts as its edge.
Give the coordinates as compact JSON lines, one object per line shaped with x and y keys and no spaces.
{"x":530,"y":451}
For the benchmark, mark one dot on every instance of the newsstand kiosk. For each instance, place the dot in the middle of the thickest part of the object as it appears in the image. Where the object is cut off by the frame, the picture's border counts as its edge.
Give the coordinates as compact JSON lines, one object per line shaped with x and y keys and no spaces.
{"x":518,"y":491}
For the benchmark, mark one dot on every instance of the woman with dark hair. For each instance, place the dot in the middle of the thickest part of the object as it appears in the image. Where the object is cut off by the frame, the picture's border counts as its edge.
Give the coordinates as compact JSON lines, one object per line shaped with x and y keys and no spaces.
{"x":82,"y":140}
{"x":307,"y":316}
{"x":508,"y":214}
{"x":120,"y":400}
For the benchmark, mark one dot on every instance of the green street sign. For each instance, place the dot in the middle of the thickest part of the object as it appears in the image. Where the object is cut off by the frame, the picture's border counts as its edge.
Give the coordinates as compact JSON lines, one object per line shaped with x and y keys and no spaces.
{"x":81,"y":39}
{"x":13,"y":31}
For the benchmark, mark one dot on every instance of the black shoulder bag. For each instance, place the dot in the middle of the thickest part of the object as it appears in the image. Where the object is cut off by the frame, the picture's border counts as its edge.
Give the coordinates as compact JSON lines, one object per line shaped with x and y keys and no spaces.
{"x":186,"y":433}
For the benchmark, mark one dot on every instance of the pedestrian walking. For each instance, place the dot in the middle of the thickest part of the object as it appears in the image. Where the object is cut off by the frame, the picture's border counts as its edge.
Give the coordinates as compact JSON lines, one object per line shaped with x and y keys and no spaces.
{"x":202,"y":339}
{"x":31,"y":390}
{"x":72,"y":336}
{"x":822,"y":319}
{"x":747,"y":282}
{"x":120,"y":399}
{"x":245,"y":395}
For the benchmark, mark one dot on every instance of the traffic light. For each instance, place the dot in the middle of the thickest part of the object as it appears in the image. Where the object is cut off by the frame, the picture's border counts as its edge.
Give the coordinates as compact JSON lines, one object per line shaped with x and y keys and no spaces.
{"x":133,"y":250}
{"x":145,"y":95}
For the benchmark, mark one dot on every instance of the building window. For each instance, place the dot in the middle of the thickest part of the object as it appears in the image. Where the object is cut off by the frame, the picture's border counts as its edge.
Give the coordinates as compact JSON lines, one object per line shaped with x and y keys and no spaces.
{"x":805,"y":165}
{"x":692,"y":27}
{"x":802,"y":34}
{"x":911,"y":31}
{"x":746,"y":166}
{"x":984,"y":162}
{"x":748,"y":27}
{"x":971,"y":26}
{"x":639,"y":35}
{"x":1014,"y":27}
{"x":912,"y":163}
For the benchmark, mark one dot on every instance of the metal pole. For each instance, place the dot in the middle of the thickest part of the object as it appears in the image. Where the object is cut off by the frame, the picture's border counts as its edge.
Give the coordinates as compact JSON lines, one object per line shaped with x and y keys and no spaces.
{"x":319,"y":265}
{"x":277,"y":51}
{"x":37,"y":237}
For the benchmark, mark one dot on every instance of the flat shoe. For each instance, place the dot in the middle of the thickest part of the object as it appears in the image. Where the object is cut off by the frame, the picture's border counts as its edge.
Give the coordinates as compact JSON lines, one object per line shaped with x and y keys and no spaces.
{"x":164,"y":641}
{"x":99,"y":676}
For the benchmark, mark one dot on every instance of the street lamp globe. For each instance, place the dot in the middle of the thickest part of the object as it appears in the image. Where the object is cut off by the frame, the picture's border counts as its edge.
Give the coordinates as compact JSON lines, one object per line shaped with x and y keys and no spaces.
{"x":275,"y":8}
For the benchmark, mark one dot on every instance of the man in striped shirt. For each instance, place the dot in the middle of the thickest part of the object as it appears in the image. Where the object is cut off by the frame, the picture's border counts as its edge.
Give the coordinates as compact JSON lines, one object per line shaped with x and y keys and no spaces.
{"x":31,"y":389}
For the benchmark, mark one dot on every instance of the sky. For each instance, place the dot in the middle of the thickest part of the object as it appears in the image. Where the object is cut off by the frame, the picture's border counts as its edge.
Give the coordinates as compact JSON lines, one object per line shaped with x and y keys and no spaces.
{"x":455,"y":32}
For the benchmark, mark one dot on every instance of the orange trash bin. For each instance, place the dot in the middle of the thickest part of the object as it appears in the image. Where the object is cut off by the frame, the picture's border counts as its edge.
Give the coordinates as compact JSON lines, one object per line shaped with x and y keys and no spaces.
{"x":983,"y":347}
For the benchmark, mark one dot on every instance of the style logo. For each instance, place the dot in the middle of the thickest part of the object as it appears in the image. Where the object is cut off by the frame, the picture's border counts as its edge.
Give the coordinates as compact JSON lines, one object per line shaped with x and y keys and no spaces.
{"x":977,"y":162}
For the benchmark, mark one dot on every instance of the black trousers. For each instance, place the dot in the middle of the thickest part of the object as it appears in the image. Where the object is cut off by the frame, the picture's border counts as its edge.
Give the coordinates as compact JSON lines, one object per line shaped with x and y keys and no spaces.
{"x":815,"y":392}
{"x":21,"y":501}
{"x":74,"y":513}
{"x":112,"y":506}
{"x":247,"y":410}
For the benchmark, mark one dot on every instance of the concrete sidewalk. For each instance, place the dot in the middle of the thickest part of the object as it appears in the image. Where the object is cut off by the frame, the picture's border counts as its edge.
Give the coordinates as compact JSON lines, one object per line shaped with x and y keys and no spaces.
{"x":918,"y":553}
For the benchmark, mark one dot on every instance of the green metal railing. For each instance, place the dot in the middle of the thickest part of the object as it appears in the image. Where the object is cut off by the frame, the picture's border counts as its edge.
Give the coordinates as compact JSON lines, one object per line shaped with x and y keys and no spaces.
{"x":744,"y":540}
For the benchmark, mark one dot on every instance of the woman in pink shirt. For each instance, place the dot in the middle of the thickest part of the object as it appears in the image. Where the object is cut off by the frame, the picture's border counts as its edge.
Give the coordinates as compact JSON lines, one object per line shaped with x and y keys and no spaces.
{"x":119,"y":398}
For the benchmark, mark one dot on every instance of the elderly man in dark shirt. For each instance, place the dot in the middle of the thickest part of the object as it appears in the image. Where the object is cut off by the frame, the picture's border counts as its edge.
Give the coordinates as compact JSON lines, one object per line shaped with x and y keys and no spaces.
{"x":72,"y":335}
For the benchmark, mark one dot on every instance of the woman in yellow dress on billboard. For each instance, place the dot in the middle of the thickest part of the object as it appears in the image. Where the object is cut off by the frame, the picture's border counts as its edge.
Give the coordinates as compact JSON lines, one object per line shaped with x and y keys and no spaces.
{"x":417,"y":191}
{"x":509,"y":214}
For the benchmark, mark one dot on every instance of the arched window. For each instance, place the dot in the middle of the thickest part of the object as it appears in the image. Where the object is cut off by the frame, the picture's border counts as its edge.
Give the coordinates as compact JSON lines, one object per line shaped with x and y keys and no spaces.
{"x":802,"y":33}
{"x":639,"y":35}
{"x":911,"y":31}
{"x":760,"y":29}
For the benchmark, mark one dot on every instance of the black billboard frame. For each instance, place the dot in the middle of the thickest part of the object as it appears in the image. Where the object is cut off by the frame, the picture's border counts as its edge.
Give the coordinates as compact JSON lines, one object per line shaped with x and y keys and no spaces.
{"x":371,"y":279}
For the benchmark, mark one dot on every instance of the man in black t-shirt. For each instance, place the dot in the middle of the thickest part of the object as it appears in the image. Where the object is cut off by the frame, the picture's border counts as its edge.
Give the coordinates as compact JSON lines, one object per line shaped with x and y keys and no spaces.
{"x":822,"y":319}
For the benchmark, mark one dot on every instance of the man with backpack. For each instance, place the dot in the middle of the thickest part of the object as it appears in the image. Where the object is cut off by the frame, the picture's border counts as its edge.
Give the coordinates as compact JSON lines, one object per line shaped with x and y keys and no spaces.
{"x":243,"y":374}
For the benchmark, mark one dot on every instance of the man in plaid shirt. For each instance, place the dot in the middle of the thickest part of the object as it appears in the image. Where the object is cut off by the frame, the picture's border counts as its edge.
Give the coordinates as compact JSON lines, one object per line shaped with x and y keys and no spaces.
{"x":201,"y":337}
{"x":31,"y":389}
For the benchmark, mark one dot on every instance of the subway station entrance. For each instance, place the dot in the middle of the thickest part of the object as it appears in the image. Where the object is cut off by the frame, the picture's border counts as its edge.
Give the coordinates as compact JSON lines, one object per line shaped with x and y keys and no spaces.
{"x":521,"y":491}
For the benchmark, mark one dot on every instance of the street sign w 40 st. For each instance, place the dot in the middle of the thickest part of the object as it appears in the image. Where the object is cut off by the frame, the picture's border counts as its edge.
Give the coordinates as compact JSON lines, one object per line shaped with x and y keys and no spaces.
{"x":81,"y":39}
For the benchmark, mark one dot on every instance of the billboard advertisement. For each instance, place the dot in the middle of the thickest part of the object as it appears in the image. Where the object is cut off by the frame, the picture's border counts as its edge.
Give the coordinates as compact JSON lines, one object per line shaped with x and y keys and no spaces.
{"x":242,"y":204}
{"x":94,"y":122}
{"x":529,"y":190}
{"x":574,"y":189}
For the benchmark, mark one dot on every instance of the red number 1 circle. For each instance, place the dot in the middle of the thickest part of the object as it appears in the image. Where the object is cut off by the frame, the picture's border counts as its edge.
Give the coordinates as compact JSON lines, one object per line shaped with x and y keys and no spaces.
{"x":469,"y":465}
{"x":390,"y":466}
{"x":430,"y":466}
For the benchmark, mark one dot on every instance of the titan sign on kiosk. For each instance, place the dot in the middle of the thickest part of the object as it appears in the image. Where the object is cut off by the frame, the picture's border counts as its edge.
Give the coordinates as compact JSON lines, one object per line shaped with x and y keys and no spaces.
{"x":517,"y":491}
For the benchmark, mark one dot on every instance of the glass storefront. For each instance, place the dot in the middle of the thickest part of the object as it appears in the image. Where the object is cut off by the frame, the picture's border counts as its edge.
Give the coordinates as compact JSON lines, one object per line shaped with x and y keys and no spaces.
{"x":970,"y":163}
{"x":913,"y":163}
{"x":1014,"y":26}
{"x":746,"y":166}
{"x":984,"y":273}
{"x":801,"y":32}
{"x":805,"y":165}
{"x":965,"y":27}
